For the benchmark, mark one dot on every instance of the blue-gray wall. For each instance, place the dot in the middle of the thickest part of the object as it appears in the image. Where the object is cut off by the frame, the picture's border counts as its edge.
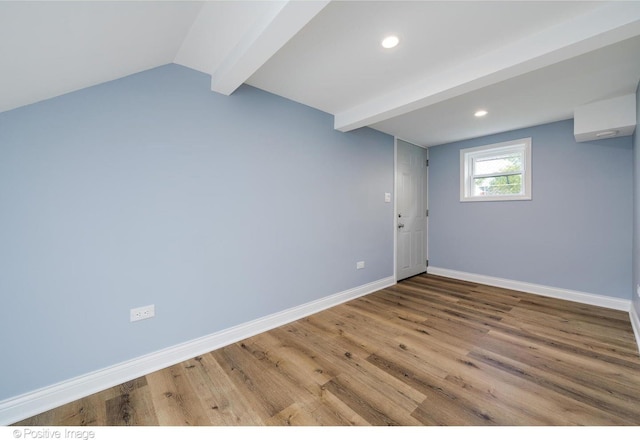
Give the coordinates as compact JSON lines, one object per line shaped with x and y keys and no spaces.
{"x":636,"y":211}
{"x":574,"y":234}
{"x":153,"y":190}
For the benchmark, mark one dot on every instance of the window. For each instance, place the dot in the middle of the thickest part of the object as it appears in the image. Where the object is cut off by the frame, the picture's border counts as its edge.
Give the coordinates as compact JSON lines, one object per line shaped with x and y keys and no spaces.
{"x":496,"y":172}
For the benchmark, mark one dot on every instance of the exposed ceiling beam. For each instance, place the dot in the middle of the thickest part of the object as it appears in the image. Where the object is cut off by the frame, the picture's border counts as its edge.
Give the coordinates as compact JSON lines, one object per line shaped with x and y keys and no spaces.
{"x":601,"y":27}
{"x":262,"y":41}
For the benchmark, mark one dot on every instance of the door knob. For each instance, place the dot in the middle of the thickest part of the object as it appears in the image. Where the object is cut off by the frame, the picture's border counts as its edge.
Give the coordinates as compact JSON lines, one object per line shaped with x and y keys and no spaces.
{"x":400,"y":225}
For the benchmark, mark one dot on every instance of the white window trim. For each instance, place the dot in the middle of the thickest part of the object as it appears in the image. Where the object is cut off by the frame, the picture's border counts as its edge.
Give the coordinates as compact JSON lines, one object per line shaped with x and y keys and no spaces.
{"x":467,"y":154}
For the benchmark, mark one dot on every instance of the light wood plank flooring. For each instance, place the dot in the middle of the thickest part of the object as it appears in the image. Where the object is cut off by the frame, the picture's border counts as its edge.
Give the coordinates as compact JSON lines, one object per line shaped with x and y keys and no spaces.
{"x":428,"y":351}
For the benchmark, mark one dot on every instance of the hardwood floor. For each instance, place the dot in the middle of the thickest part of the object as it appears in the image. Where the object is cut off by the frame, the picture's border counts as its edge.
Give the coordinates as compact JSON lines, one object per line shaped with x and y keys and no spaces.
{"x":428,"y":351}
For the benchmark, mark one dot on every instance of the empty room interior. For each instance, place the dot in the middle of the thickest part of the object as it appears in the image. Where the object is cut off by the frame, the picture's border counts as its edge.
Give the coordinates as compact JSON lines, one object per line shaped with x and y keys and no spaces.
{"x":320,"y":213}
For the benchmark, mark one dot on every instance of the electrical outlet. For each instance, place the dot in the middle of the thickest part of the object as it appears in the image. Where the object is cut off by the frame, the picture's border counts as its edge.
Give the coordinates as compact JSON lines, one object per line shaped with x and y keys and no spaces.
{"x":360,"y":265}
{"x":141,"y":313}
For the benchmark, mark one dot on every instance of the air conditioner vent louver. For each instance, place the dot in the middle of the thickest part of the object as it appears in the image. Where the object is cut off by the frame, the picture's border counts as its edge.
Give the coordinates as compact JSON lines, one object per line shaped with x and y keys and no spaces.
{"x":610,"y":118}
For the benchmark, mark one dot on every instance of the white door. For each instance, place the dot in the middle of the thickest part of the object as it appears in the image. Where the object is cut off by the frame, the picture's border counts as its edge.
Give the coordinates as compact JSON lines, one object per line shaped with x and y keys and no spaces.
{"x":411,"y":209}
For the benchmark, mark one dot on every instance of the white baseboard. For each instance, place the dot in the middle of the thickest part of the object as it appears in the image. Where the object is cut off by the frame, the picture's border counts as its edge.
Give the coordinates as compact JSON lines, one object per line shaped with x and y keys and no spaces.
{"x":635,"y":323}
{"x":18,"y":408}
{"x":552,"y":292}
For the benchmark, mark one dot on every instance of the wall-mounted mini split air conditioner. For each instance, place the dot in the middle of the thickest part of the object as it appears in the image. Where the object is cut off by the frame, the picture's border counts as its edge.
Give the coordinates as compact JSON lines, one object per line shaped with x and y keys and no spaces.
{"x":610,"y":118}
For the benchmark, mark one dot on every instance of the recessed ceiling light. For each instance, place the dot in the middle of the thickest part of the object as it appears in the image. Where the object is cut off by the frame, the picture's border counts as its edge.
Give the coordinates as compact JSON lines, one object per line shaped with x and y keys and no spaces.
{"x":607,"y":133}
{"x":480,"y":113}
{"x":390,"y":41}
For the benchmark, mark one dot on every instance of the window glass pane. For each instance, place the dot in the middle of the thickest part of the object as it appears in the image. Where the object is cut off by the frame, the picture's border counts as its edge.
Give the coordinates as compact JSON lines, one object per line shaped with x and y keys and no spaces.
{"x":498,"y":164}
{"x":499,"y":185}
{"x":496,"y":172}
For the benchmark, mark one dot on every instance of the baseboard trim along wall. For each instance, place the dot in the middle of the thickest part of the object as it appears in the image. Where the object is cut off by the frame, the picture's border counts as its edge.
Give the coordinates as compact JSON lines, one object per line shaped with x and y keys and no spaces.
{"x":18,"y":408}
{"x":635,"y":323}
{"x":552,"y":292}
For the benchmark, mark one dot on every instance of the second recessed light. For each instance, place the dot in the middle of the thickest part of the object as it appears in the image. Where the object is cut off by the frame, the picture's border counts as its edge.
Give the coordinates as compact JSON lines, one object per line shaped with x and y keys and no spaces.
{"x":480,"y":113}
{"x":390,"y":41}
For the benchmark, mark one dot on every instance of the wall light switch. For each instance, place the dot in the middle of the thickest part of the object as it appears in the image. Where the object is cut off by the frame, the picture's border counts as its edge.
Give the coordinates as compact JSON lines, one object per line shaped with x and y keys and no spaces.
{"x":360,"y":265}
{"x":387,"y":197}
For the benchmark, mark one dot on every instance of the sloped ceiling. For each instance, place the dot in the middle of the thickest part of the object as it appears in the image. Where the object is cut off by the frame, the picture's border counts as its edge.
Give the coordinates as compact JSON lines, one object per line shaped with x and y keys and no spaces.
{"x":526,"y":62}
{"x":51,"y":48}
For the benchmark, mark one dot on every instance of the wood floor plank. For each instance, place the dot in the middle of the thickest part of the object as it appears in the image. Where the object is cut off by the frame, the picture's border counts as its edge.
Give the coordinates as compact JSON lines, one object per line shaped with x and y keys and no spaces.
{"x":427,"y":351}
{"x":525,"y":399}
{"x":585,"y":347}
{"x":519,"y":404}
{"x":361,"y":331}
{"x":334,"y":412}
{"x":565,"y":358}
{"x":256,"y":383}
{"x":453,"y":310}
{"x":370,"y":402}
{"x":442,"y":409}
{"x":297,"y":414}
{"x":587,"y":380}
{"x":441,"y":391}
{"x":175,"y":400}
{"x":571,"y":408}
{"x":353,"y":364}
{"x":218,"y":394}
{"x":87,"y":411}
{"x":622,"y":338}
{"x":484,"y":302}
{"x":557,"y":385}
{"x":132,"y":407}
{"x":372,"y":305}
{"x":298,"y":366}
{"x":329,"y":411}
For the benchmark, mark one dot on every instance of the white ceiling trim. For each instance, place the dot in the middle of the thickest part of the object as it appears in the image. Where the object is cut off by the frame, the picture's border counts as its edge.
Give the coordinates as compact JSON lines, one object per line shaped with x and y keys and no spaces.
{"x":603,"y":26}
{"x":262,"y":41}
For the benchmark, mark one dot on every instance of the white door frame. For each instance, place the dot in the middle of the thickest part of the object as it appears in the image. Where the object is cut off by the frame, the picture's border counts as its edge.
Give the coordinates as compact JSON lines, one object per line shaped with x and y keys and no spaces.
{"x":395,"y":206}
{"x":395,"y":209}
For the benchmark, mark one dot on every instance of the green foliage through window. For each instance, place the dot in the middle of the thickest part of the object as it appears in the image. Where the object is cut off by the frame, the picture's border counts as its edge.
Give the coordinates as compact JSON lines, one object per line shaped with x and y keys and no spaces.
{"x":506,"y":175}
{"x":496,"y":172}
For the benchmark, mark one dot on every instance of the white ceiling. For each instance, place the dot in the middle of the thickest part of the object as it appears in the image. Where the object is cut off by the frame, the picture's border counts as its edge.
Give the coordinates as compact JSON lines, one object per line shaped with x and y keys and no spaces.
{"x":526,"y":62}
